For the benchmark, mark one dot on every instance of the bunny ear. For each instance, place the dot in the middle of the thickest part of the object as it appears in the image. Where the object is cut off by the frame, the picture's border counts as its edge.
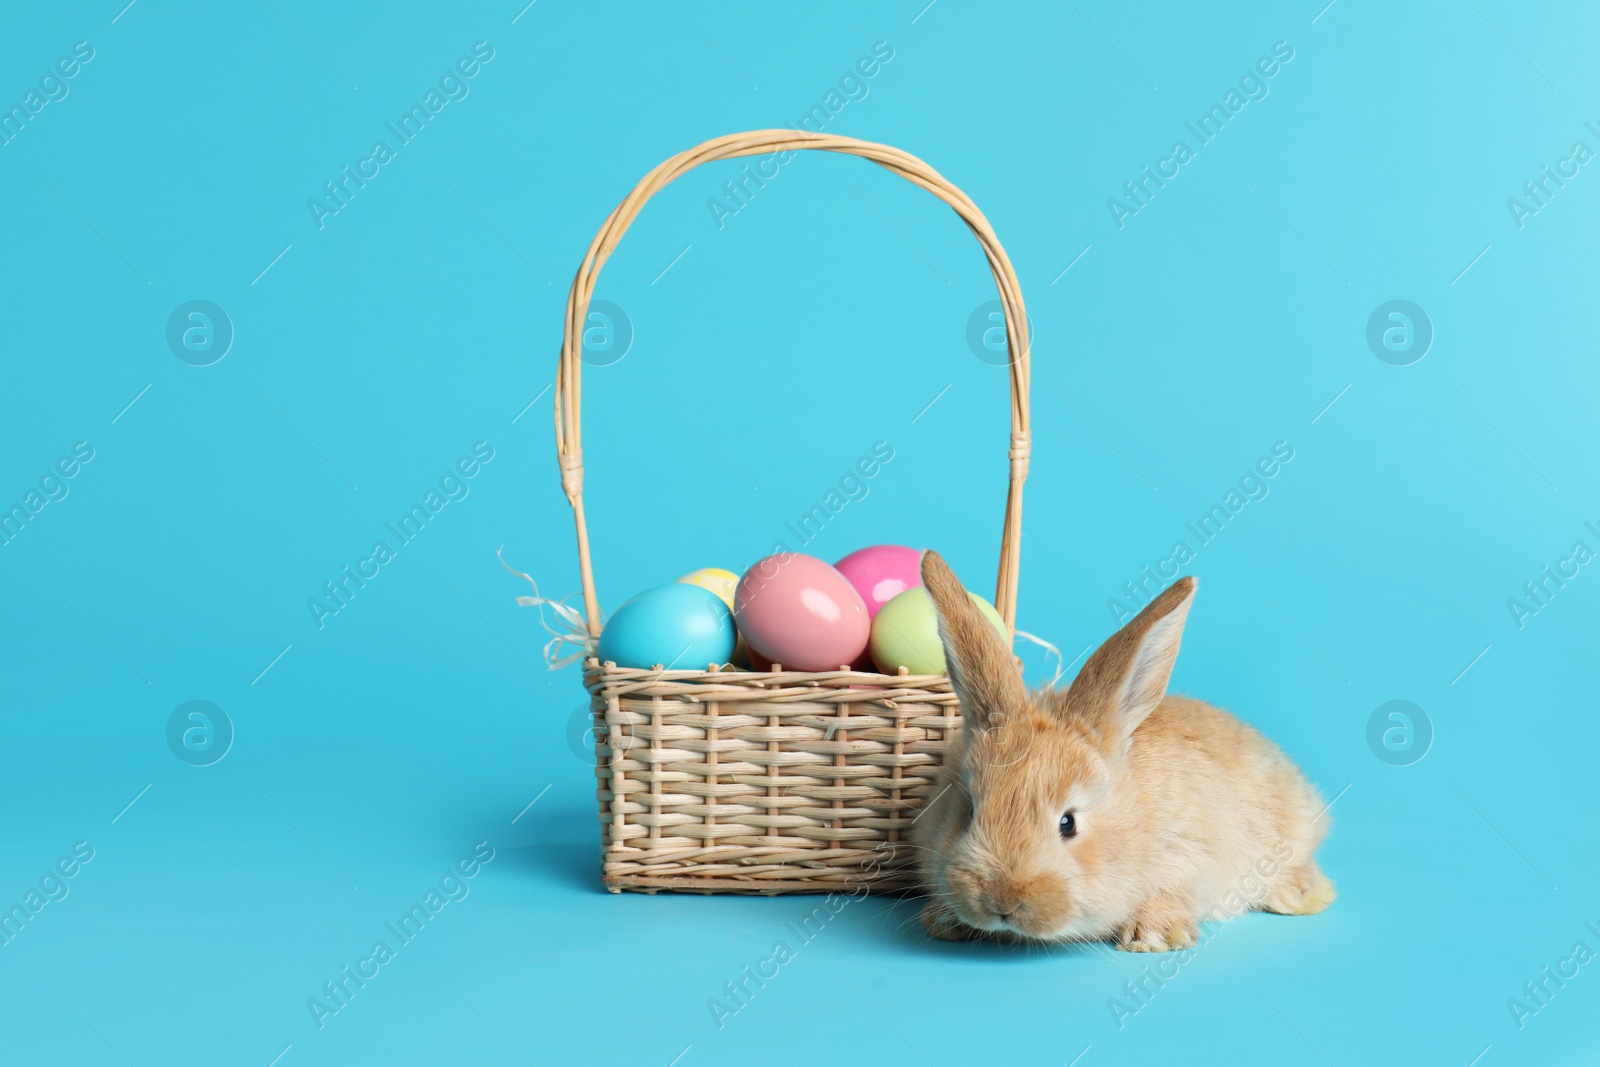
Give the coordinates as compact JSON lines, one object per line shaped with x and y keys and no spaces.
{"x":986,"y":677}
{"x":1127,"y":676}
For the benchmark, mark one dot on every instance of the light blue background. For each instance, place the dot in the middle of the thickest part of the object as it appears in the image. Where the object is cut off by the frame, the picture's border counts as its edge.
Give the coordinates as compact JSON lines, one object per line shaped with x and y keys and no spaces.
{"x":426,"y":316}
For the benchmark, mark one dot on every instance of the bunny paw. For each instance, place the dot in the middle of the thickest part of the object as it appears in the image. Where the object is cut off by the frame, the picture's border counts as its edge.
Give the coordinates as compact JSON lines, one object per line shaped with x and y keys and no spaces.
{"x":1303,"y":891}
{"x":1170,"y":937}
{"x":1161,"y":925}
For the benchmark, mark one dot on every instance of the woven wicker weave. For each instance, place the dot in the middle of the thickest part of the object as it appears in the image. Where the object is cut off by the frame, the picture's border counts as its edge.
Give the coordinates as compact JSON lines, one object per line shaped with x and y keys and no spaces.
{"x":780,"y":781}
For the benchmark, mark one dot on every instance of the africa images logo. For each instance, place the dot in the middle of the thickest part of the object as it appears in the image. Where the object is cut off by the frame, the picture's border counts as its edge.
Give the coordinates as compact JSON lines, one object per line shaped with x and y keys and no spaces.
{"x":337,"y":194}
{"x":339,"y":592}
{"x":1252,"y":86}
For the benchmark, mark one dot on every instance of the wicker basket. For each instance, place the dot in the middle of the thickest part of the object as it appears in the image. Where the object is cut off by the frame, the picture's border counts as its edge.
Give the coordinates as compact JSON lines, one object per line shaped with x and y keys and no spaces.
{"x":723,"y":781}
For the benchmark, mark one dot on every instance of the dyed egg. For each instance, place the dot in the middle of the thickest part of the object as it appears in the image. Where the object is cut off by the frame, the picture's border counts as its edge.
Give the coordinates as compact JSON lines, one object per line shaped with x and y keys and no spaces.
{"x":796,"y":610}
{"x":680,"y":627}
{"x":722,"y":583}
{"x":906,"y":633}
{"x":719,"y":581}
{"x":882,"y":572}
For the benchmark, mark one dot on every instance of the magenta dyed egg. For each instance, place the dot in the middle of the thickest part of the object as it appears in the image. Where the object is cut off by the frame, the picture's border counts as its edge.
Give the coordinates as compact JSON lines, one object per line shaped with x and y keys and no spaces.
{"x":881,"y":573}
{"x":796,"y":610}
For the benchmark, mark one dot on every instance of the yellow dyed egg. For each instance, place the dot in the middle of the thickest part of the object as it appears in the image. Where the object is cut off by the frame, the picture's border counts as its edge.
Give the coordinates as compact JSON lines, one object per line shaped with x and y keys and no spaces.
{"x":722,"y":583}
{"x":717,"y":580}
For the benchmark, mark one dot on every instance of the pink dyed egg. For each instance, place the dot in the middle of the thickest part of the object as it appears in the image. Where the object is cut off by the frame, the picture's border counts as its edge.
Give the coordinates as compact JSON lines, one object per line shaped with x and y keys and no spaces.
{"x":796,"y":610}
{"x":881,"y":573}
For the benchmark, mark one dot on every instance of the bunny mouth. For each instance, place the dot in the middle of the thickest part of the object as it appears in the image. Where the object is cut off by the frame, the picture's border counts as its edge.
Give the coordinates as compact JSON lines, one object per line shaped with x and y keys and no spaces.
{"x":1029,"y":927}
{"x":1023,"y":922}
{"x":1034,"y":907}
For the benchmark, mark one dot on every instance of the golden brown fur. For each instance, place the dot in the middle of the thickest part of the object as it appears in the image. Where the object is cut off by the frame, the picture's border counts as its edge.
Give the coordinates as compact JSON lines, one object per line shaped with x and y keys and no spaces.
{"x":1183,"y":813}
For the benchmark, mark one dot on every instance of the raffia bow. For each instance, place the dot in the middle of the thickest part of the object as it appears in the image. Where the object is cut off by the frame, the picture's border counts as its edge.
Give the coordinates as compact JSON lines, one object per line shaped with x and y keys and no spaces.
{"x":570,"y":627}
{"x":1049,"y":650}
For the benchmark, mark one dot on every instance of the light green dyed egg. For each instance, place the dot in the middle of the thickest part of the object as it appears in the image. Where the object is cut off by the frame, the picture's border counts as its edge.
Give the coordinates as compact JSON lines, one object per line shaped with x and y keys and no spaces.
{"x":905,"y":633}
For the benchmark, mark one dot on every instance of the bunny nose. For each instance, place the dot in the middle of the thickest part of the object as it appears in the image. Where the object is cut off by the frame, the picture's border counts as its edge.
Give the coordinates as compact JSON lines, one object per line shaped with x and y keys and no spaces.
{"x":1004,"y":901}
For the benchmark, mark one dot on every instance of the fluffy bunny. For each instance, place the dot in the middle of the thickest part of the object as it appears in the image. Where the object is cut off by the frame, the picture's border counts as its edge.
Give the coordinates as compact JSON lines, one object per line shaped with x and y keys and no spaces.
{"x":1111,"y":810}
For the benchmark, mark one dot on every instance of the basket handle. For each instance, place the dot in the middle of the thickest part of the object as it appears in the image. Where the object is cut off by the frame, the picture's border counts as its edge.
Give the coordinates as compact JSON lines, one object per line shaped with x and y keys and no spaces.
{"x":568,"y":384}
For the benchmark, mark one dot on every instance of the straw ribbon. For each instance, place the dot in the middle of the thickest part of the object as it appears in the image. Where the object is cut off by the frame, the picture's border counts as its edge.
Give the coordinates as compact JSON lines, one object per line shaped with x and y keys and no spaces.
{"x":570,"y":626}
{"x":1049,"y":650}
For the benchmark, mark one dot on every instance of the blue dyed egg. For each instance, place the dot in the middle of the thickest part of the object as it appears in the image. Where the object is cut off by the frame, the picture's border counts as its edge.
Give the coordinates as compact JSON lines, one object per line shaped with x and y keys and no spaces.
{"x":677,"y":626}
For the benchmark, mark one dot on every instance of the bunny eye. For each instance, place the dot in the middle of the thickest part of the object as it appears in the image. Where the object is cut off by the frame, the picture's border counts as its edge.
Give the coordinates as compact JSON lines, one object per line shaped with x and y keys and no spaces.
{"x":1069,"y":825}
